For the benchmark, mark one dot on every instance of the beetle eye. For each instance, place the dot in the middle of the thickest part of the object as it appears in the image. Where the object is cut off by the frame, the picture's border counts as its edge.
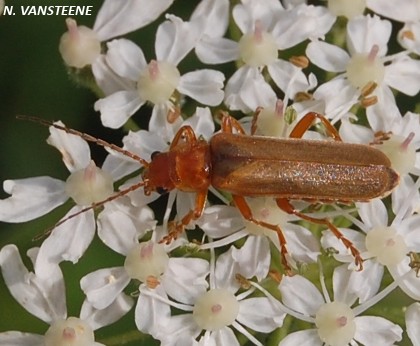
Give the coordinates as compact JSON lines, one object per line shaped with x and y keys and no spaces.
{"x":154,"y":154}
{"x":161,"y":190}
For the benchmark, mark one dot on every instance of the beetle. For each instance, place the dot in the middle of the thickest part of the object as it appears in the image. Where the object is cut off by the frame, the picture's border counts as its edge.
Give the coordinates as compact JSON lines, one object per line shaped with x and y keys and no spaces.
{"x":325,"y":171}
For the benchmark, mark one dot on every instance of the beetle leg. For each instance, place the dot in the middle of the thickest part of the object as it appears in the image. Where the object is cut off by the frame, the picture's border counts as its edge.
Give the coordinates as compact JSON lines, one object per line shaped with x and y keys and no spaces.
{"x":176,"y":228}
{"x":286,"y":206}
{"x":306,"y":122}
{"x":230,"y":123}
{"x":246,"y":212}
{"x":255,"y":119}
{"x":185,"y":133}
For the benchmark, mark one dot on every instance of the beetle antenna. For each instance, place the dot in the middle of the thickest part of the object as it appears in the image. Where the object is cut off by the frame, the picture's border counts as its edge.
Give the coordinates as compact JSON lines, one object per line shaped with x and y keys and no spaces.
{"x":92,"y":206}
{"x":86,"y":137}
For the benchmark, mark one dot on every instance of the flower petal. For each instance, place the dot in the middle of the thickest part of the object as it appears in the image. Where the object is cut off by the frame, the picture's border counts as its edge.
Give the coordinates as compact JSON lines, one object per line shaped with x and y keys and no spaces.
{"x":201,"y":122}
{"x":256,"y":265}
{"x":121,"y":224}
{"x":412,"y":321}
{"x":406,"y":11}
{"x":204,"y":86}
{"x":300,"y":23}
{"x":151,"y":314}
{"x":74,"y":149}
{"x":301,"y":295}
{"x":101,"y":318}
{"x":383,"y":114}
{"x":224,"y":336}
{"x":216,"y":50}
{"x":175,"y":39}
{"x":220,"y":221}
{"x":21,"y":339}
{"x":289,"y":78}
{"x":373,"y":214}
{"x":126,"y":58}
{"x":247,"y":13}
{"x":252,"y":91}
{"x":69,"y":241}
{"x":185,"y":279}
{"x":35,"y":294}
{"x":363,"y":32}
{"x":354,"y":133}
{"x":407,"y":41}
{"x":118,"y":107}
{"x":404,"y":75}
{"x":372,"y":331}
{"x":302,"y":244}
{"x":307,"y":337}
{"x":31,"y":198}
{"x":327,"y":56}
{"x":108,"y":81}
{"x":103,"y":286}
{"x":118,"y":17}
{"x":260,"y":315}
{"x":214,"y":14}
{"x":410,"y":282}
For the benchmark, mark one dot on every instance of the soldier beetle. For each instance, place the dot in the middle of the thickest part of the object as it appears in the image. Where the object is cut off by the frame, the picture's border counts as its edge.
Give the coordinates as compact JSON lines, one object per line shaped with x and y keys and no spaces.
{"x":325,"y":171}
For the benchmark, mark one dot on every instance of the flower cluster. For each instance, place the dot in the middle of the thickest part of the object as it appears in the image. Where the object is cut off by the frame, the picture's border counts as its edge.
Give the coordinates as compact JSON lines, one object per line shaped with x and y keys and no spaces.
{"x":234,"y":269}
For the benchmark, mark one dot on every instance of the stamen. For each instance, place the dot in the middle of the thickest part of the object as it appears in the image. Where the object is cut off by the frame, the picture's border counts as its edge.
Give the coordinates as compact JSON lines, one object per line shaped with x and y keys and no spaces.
{"x":368,"y":101}
{"x":408,"y":34}
{"x":152,"y":282}
{"x":300,"y":61}
{"x":368,"y":89}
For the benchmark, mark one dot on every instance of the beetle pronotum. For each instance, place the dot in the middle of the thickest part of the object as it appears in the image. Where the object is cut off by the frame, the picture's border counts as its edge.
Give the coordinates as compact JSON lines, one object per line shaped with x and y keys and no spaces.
{"x":255,"y":166}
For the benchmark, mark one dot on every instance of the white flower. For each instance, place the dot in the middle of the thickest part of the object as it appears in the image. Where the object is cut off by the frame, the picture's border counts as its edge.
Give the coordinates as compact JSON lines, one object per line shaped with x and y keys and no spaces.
{"x":86,"y":185}
{"x":383,"y":245}
{"x":81,"y":46}
{"x":216,"y":311}
{"x":149,"y":264}
{"x":367,"y":39}
{"x":42,"y":293}
{"x":156,"y":81}
{"x":407,"y":12}
{"x":401,"y":143}
{"x":266,"y":29}
{"x":336,"y":322}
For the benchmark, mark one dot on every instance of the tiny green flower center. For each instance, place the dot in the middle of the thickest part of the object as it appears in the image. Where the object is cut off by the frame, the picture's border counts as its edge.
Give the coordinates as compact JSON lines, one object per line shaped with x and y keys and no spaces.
{"x":258,"y":48}
{"x":158,"y":82}
{"x":216,"y":309}
{"x":335,"y":323}
{"x":70,"y":332}
{"x":401,"y":152}
{"x":89,"y":185}
{"x":146,"y":260}
{"x":79,"y":46}
{"x":365,"y":68}
{"x":386,"y":245}
{"x":347,"y":8}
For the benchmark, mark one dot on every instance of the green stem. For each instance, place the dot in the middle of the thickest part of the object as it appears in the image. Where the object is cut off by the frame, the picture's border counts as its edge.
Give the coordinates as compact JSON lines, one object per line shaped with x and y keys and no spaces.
{"x":125,"y":338}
